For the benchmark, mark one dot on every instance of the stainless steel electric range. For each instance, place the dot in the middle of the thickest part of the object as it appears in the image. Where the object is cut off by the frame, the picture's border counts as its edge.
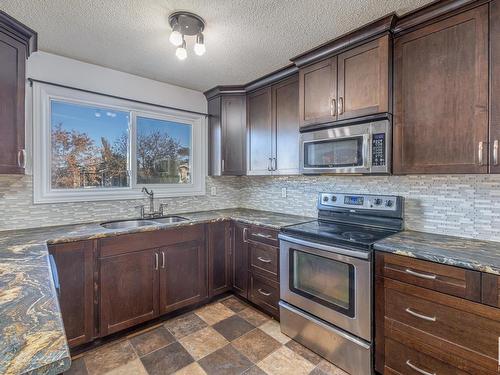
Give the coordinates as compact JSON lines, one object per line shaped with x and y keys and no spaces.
{"x":326,"y":271}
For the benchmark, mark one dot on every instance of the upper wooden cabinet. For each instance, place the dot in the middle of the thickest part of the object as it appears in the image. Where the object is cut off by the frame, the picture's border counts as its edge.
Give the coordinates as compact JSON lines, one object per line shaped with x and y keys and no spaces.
{"x":16,"y":43}
{"x":318,"y":93}
{"x":495,"y":87}
{"x":227,"y":135}
{"x":363,"y":80}
{"x":352,"y":84}
{"x":441,"y":96}
{"x":273,"y":129}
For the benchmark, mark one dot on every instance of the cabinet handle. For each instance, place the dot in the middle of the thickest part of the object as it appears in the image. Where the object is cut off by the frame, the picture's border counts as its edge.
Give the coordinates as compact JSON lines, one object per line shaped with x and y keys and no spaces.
{"x":495,"y":152}
{"x":21,"y":158}
{"x":421,"y":316}
{"x":163,"y":259}
{"x":267,"y":294}
{"x":245,"y":234}
{"x":412,"y":366}
{"x":270,"y":165}
{"x":275,"y":165}
{"x":156,"y":261}
{"x":264,"y":260}
{"x":262,"y":235}
{"x":421,"y":275}
{"x":222,"y":165}
{"x":333,"y":107}
{"x":480,"y":152}
{"x":341,"y":105}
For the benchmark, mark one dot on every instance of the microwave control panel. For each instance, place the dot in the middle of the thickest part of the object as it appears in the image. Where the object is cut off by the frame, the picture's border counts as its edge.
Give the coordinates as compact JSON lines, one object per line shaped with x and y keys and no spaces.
{"x":378,"y":150}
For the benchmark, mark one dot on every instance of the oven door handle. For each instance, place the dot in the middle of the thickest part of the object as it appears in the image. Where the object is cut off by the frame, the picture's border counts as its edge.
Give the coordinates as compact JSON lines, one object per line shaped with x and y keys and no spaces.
{"x":336,"y":250}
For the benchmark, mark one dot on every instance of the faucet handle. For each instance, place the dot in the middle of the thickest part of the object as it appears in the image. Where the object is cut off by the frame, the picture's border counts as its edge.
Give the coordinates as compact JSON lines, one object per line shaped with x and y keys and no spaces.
{"x":163,"y":206}
{"x":142,"y":210}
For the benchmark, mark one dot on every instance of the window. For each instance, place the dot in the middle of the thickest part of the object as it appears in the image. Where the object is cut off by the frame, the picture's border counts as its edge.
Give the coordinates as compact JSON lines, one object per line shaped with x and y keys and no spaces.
{"x":92,"y":147}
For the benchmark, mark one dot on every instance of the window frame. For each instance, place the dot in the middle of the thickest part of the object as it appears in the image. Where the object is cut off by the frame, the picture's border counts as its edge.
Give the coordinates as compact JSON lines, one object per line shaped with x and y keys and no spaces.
{"x":43,"y":94}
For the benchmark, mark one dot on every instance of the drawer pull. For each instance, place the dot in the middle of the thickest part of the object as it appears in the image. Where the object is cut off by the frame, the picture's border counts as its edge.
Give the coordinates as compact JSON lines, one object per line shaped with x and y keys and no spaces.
{"x":421,"y":275}
{"x":412,"y":366}
{"x":424,"y":317}
{"x":262,"y":235}
{"x":267,"y":294}
{"x":264,"y":260}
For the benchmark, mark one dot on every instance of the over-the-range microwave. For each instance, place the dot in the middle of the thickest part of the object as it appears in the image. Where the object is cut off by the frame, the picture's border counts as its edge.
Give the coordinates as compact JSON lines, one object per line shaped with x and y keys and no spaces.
{"x":353,"y":149}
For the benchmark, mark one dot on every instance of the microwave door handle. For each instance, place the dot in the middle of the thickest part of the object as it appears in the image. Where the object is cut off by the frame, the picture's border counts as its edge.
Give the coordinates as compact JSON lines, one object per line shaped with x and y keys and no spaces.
{"x":366,"y":151}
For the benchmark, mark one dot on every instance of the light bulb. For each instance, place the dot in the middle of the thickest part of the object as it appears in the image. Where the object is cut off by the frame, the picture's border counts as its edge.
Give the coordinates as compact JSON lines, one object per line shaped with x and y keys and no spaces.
{"x":176,"y":38}
{"x":199,"y":47}
{"x":181,"y":52}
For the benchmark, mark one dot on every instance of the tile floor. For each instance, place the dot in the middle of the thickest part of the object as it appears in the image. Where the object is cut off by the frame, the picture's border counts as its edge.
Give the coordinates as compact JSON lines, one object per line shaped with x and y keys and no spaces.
{"x":224,"y":338}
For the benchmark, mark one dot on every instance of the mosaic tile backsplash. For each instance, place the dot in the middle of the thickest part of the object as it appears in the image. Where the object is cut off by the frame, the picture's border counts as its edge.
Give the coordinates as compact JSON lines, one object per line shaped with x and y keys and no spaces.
{"x":457,"y":205}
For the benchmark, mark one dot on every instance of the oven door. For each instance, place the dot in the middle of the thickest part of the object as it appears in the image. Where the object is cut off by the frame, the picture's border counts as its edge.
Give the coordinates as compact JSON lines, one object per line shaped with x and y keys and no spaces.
{"x":336,"y":150}
{"x":333,"y":284}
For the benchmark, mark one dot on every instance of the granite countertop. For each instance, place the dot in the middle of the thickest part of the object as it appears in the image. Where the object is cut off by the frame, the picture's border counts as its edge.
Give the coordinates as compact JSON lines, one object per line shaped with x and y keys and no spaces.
{"x":31,"y":329}
{"x":473,"y":254}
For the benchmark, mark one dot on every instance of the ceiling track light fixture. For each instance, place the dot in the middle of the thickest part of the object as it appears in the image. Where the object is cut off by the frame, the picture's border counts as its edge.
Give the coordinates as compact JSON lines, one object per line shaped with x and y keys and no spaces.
{"x":186,"y":24}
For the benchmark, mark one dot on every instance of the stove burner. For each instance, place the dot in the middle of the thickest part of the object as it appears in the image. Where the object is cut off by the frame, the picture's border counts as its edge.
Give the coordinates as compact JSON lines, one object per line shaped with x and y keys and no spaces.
{"x":357,"y":236}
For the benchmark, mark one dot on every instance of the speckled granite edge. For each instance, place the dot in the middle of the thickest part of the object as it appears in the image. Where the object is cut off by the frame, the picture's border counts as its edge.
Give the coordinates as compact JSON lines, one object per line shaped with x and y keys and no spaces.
{"x":467,"y":253}
{"x":32,"y":333}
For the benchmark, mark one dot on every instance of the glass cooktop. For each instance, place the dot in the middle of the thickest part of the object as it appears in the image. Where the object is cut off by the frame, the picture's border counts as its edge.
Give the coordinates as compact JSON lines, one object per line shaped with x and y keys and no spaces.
{"x":329,"y":231}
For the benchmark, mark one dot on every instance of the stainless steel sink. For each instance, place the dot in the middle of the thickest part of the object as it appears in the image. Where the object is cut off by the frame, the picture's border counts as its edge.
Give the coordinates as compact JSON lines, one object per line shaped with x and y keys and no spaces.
{"x":123,"y":224}
{"x":170,"y":219}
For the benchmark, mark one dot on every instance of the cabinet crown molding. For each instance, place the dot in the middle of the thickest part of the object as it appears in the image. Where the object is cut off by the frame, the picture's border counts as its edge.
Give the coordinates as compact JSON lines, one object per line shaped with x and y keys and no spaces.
{"x":19,"y":31}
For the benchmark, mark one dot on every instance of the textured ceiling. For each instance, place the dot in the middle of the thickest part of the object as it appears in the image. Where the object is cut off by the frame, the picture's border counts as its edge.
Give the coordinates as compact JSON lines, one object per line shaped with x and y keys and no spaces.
{"x":245,"y":39}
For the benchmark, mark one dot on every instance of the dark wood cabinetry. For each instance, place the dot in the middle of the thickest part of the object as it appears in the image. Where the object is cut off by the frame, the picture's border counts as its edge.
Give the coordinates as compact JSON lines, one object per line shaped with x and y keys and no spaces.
{"x":495,"y":86}
{"x":259,"y":132}
{"x":353,"y":84}
{"x":363,"y":80}
{"x":129,"y":289}
{"x":318,"y":93}
{"x":16,"y":43}
{"x":183,"y":276}
{"x":441,"y":96}
{"x":273,"y":129}
{"x":239,"y":269}
{"x":227,"y":135}
{"x":219,"y":257}
{"x":75,"y":266}
{"x":421,"y":324}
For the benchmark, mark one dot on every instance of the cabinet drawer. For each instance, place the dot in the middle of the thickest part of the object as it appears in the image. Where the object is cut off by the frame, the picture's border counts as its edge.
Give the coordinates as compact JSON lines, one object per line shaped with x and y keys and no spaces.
{"x":265,"y":293}
{"x":446,"y":322}
{"x":401,"y":359}
{"x":264,"y":260}
{"x":446,"y":279}
{"x":262,"y":235}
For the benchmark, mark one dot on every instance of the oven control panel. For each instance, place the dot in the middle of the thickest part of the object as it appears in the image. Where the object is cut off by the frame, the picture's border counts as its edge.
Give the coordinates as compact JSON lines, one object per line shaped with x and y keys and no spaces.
{"x":359,"y":201}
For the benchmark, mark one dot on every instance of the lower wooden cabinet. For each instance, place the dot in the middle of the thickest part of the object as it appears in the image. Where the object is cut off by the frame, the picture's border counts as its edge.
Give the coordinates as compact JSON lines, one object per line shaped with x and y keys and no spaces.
{"x":75,"y":269}
{"x":239,"y":262}
{"x":219,"y":257}
{"x":265,"y":293}
{"x":183,"y":275}
{"x":129,"y":290}
{"x":433,"y":327}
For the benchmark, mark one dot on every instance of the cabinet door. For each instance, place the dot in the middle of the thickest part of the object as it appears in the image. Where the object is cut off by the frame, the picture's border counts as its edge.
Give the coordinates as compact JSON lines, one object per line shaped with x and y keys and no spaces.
{"x":363,"y":80}
{"x":12,"y":76}
{"x":75,"y":262}
{"x":286,"y":127}
{"x":495,"y":86}
{"x":219,"y":262}
{"x":129,"y":290}
{"x":233,"y":135}
{"x":183,"y":277}
{"x":318,"y":93}
{"x":441,"y":96}
{"x":214,"y":137}
{"x":240,"y":260}
{"x":259,"y":130}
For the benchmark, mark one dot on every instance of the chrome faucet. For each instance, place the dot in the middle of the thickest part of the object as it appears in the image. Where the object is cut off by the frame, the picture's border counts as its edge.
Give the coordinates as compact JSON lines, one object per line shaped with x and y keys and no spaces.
{"x":152,"y":213}
{"x":151,"y":196}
